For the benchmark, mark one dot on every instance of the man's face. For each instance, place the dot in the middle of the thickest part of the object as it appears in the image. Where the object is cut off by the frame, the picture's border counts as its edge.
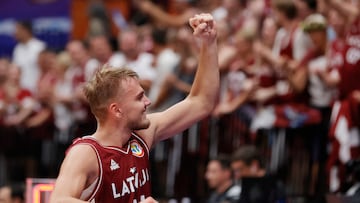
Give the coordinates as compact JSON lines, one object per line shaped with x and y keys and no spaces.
{"x":77,"y":52}
{"x":240,"y":169}
{"x":100,"y":48}
{"x":215,"y":174}
{"x":318,"y":38}
{"x":278,"y":16}
{"x":20,"y":33}
{"x":134,"y":104}
{"x":129,"y":43}
{"x":5,"y":195}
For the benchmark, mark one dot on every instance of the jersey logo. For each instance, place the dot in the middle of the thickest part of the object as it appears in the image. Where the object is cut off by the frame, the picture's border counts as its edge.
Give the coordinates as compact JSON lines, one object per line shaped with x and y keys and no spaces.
{"x":132,"y":170}
{"x":114,"y":165}
{"x":136,"y":149}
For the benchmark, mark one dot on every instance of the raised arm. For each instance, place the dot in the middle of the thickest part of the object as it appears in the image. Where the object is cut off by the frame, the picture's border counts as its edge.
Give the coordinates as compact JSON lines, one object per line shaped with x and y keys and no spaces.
{"x":161,"y":16}
{"x":204,"y":91}
{"x":346,"y":9}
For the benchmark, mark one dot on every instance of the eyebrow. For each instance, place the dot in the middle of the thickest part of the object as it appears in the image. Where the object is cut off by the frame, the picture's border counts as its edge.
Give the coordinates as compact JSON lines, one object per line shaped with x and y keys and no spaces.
{"x":140,"y":94}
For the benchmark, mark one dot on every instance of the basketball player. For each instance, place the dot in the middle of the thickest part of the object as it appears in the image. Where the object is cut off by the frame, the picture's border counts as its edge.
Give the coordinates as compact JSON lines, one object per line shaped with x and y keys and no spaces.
{"x":112,"y":164}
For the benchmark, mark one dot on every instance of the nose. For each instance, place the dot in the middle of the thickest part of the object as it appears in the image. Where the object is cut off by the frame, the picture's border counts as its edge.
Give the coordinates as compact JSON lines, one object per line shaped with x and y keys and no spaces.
{"x":147,"y":101}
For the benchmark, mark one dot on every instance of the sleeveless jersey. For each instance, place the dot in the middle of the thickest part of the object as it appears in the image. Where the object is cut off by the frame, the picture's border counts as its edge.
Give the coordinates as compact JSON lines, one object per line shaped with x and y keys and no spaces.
{"x":124,"y":174}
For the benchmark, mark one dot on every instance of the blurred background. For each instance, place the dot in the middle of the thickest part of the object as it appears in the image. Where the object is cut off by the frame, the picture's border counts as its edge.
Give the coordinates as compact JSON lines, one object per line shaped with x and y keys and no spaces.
{"x":288,"y":107}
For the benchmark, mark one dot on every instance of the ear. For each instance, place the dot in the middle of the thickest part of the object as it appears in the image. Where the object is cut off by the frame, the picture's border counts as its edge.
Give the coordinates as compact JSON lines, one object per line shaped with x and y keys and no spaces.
{"x":115,"y":110}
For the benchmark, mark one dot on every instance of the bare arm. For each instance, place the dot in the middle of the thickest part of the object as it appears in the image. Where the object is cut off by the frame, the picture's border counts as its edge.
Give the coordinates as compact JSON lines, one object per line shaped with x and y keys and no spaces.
{"x":230,"y":105}
{"x":162,"y":16}
{"x":346,"y":9}
{"x":171,"y":81}
{"x":24,"y":113}
{"x":266,"y":53}
{"x":75,"y":175}
{"x":297,"y":76}
{"x":331,"y":79}
{"x":204,"y":91}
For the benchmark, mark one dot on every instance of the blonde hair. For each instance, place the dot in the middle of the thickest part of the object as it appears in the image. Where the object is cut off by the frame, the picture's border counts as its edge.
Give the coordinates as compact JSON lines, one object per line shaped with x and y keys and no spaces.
{"x":104,"y":86}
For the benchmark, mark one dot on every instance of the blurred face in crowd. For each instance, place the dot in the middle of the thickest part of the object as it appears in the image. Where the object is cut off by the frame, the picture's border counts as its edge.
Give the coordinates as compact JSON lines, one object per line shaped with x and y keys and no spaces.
{"x":223,"y":30}
{"x":302,"y":8}
{"x":268,"y":31}
{"x":13,"y":74}
{"x":318,"y":38}
{"x":100,"y":48}
{"x":243,"y":45}
{"x":77,"y":52}
{"x":241,"y":169}
{"x":256,"y":7}
{"x":216,"y":175}
{"x":278,"y":17}
{"x":337,"y":22}
{"x":21,"y":33}
{"x":129,"y":43}
{"x":46,"y":61}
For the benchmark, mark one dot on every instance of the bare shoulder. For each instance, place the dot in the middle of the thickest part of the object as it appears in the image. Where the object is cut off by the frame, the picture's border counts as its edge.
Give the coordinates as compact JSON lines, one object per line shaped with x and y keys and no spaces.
{"x":81,"y":156}
{"x":78,"y":170}
{"x":80,"y":165}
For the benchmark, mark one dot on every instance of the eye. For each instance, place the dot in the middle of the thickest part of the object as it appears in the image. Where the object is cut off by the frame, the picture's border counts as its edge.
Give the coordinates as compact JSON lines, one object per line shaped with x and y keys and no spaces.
{"x":140,"y":96}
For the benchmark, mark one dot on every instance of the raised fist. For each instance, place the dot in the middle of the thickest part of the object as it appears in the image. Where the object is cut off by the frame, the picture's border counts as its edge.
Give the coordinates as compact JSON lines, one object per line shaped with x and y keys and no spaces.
{"x":204,"y":26}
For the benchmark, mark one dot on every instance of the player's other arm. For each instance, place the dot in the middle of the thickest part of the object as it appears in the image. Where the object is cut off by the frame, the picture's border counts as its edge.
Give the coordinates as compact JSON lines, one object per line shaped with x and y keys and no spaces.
{"x":76,"y":171}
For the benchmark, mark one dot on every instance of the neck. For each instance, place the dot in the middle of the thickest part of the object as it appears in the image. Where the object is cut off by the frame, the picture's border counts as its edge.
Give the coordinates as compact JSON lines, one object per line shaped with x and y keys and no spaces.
{"x":26,"y":39}
{"x":222,"y":188}
{"x":112,"y":134}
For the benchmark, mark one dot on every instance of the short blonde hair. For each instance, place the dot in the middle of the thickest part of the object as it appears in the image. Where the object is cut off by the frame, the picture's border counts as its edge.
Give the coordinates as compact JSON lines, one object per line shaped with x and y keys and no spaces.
{"x":104,"y":86}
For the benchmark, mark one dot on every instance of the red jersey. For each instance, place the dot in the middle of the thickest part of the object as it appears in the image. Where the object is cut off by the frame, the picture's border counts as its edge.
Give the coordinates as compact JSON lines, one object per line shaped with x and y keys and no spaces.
{"x":336,"y":54}
{"x":353,"y":34}
{"x":124,"y":174}
{"x":350,"y":72}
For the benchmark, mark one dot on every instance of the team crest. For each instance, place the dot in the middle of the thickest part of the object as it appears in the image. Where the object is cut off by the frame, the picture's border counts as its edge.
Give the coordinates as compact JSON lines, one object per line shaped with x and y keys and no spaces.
{"x":136,"y":149}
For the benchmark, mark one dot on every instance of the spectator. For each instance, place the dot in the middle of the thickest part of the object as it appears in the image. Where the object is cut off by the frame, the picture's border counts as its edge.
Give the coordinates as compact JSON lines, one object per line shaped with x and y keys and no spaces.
{"x":166,"y":60}
{"x":26,"y":54}
{"x":81,"y":61}
{"x":134,"y":58}
{"x":345,"y":119}
{"x":219,"y":179}
{"x":101,"y":49}
{"x":247,"y":164}
{"x":321,"y":95}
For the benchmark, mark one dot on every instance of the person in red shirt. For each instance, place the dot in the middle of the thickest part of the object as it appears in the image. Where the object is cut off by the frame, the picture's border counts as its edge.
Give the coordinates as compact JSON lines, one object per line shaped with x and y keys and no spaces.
{"x":112,"y":164}
{"x":345,"y":123}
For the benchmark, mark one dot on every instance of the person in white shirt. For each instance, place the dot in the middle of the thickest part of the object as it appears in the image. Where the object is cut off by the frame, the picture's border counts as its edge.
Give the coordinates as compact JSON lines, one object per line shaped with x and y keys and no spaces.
{"x":26,"y":53}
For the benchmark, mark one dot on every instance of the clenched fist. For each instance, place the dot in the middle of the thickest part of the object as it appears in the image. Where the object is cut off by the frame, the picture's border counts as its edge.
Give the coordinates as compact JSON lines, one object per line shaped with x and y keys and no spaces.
{"x":204,"y":27}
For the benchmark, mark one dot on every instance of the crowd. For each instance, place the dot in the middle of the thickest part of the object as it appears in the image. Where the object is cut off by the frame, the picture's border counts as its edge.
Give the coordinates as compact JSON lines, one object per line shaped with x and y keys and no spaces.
{"x":289,"y":86}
